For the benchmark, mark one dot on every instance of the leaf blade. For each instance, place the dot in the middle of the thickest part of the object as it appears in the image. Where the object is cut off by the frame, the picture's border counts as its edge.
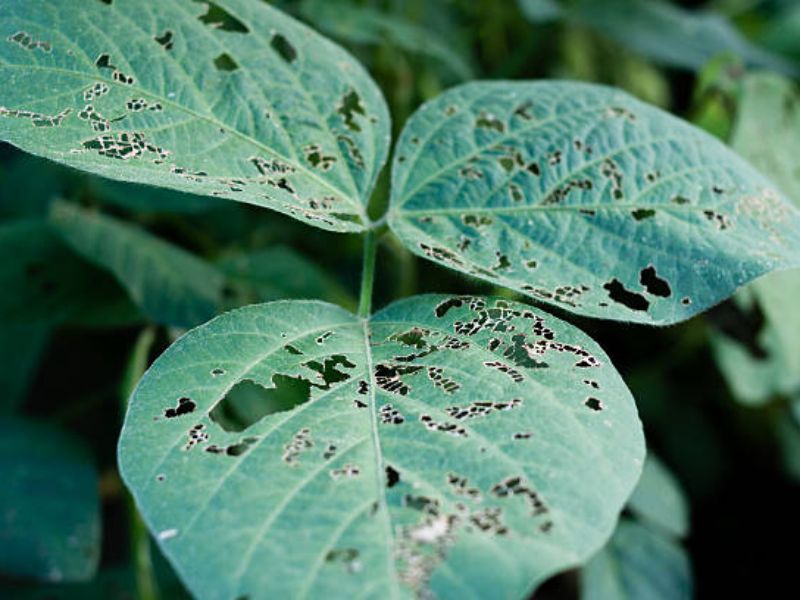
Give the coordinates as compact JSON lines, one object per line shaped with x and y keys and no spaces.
{"x":372,"y":467}
{"x":581,"y":196}
{"x":171,"y":285}
{"x":296,"y":126}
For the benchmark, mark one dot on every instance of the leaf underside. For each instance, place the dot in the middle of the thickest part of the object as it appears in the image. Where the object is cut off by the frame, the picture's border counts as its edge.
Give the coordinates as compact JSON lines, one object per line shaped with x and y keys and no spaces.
{"x":449,"y":445}
{"x":230,"y":98}
{"x":583,"y":197}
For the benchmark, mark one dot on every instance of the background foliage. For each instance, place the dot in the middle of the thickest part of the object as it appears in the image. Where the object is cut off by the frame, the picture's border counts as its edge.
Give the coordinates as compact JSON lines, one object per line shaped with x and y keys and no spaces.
{"x":99,"y":277}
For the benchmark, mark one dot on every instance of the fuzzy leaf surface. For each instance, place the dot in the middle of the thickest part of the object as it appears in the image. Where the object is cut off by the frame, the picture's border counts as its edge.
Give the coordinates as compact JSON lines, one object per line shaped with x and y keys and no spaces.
{"x":231,"y":99}
{"x":453,"y":445}
{"x":581,"y":196}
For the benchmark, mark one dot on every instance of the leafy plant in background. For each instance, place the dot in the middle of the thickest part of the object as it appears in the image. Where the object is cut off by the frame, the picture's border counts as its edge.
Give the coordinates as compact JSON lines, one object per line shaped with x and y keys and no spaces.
{"x":443,"y":445}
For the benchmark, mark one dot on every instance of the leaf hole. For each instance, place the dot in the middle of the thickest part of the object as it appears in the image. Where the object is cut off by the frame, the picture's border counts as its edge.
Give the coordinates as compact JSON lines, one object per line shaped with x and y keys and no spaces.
{"x":166,"y":39}
{"x":392,"y":476}
{"x":248,"y":402}
{"x":184,"y":407}
{"x":219,"y":18}
{"x":618,"y":293}
{"x":284,"y":48}
{"x":654,"y":284}
{"x":224,"y":62}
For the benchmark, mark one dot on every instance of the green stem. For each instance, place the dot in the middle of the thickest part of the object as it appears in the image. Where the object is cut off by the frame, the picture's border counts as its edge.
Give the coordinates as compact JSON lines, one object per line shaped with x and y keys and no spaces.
{"x":367,"y":273}
{"x":146,"y":584}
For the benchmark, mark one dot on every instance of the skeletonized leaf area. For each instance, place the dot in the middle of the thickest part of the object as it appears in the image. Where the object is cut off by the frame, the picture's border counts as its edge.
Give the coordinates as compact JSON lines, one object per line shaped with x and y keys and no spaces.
{"x":229,"y":98}
{"x":581,"y":196}
{"x":450,"y":446}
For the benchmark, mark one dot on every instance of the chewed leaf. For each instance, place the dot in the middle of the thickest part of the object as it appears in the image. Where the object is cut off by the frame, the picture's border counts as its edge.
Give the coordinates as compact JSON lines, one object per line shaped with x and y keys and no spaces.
{"x":765,"y":361}
{"x":448,"y":445}
{"x":581,"y":196}
{"x":231,"y":99}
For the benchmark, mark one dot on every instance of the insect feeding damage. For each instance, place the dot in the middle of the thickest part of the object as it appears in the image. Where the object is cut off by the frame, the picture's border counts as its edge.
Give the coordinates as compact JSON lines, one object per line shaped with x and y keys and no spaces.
{"x":421,"y":386}
{"x":550,"y":188}
{"x":410,"y":374}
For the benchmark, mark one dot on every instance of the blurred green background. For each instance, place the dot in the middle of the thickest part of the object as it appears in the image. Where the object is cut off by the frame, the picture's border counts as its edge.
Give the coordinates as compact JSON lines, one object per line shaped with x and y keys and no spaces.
{"x":719,"y":395}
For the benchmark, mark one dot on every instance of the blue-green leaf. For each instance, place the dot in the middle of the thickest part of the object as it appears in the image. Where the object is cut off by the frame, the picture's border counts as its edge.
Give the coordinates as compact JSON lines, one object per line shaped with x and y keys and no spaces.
{"x":448,"y":445}
{"x":767,"y":132}
{"x":171,"y":285}
{"x":638,"y":564}
{"x":581,"y":196}
{"x":278,"y":273}
{"x":49,"y":507}
{"x":46,"y":283}
{"x":658,"y":499}
{"x":230,"y":98}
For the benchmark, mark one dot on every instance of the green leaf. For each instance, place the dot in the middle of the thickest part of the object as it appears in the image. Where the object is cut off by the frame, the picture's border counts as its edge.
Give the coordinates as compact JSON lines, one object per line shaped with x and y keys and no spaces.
{"x":49,"y":283}
{"x":21,"y":348}
{"x":358,"y":24}
{"x":672,"y":35}
{"x":50,"y":524}
{"x":231,"y":98}
{"x":278,"y":273}
{"x":767,"y":127}
{"x":638,"y":564}
{"x":767,"y":132}
{"x":658,"y":499}
{"x":458,"y":446}
{"x":581,"y":196}
{"x":171,"y":286}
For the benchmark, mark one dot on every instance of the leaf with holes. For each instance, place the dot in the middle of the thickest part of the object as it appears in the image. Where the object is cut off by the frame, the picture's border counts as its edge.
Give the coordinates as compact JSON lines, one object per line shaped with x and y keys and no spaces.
{"x":230,"y":98}
{"x":50,"y":525}
{"x":766,"y":361}
{"x":449,"y":445}
{"x":583,"y":197}
{"x":171,"y":285}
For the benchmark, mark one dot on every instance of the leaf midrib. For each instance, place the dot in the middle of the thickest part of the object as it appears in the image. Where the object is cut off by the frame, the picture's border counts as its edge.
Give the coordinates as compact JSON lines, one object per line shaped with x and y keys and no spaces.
{"x":380,"y":486}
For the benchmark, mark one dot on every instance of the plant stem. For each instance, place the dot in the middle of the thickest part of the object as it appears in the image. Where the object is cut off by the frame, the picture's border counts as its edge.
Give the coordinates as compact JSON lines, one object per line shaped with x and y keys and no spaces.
{"x":367,"y":273}
{"x":146,"y":584}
